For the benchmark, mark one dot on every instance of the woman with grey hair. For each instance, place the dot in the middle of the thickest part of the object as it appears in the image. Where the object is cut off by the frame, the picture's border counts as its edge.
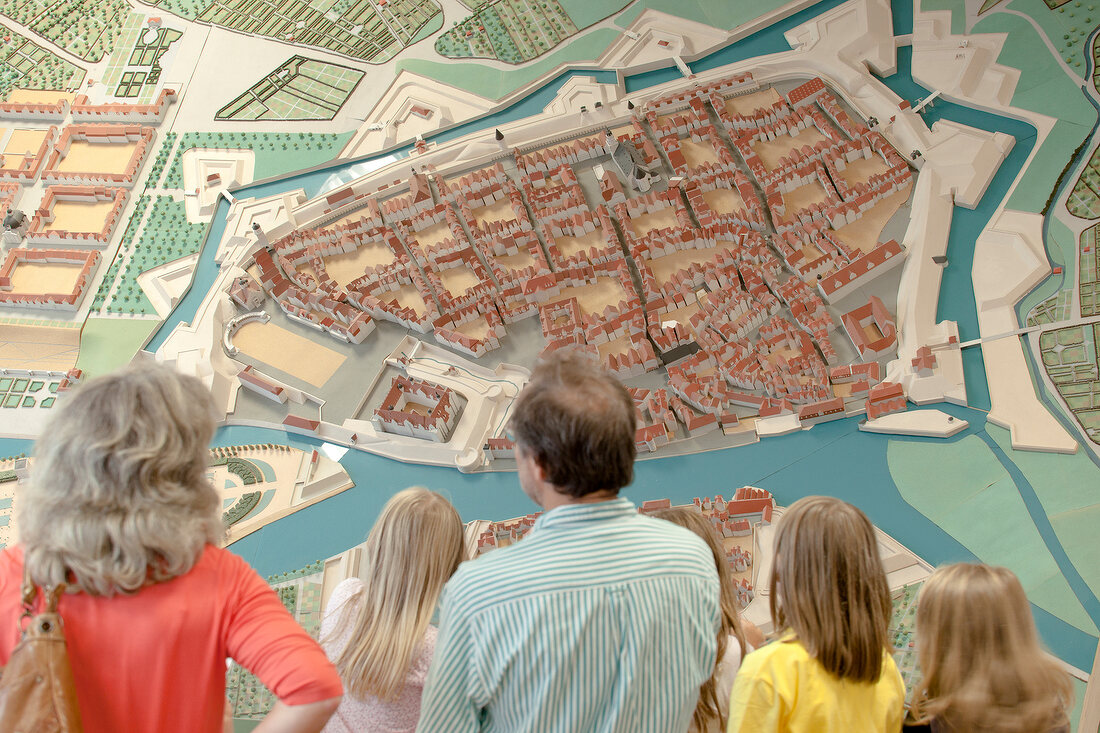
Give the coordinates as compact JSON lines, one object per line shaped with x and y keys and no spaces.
{"x":120,"y":510}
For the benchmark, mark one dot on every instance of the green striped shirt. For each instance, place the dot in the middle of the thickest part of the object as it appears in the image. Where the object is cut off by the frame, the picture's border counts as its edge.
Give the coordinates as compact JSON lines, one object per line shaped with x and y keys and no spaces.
{"x":601,"y":619}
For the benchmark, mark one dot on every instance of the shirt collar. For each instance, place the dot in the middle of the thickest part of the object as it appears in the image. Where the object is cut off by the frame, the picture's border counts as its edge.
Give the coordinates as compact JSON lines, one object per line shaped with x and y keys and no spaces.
{"x":574,"y":514}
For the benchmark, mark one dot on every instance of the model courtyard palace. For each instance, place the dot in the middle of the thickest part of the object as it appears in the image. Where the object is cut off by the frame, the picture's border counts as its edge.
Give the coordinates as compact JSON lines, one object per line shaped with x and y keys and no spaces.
{"x":727,"y":234}
{"x":86,"y":170}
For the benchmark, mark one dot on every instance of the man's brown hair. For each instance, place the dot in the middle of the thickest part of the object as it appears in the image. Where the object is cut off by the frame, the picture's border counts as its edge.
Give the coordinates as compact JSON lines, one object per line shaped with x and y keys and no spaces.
{"x":829,"y":586}
{"x":577,"y":421}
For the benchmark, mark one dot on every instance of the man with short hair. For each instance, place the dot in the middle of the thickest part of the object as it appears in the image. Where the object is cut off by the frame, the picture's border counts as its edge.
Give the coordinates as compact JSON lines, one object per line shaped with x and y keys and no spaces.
{"x":601,"y":619}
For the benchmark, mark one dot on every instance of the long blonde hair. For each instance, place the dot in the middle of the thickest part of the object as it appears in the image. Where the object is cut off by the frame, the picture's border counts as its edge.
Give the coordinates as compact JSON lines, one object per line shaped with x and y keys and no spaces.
{"x":981,"y":663}
{"x":707,"y":710}
{"x":829,"y":587}
{"x":412,"y":550}
{"x":118,"y":496}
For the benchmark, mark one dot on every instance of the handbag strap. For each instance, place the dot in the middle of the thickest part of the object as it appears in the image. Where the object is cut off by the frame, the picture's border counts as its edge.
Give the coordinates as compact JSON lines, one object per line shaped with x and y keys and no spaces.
{"x":30,"y":591}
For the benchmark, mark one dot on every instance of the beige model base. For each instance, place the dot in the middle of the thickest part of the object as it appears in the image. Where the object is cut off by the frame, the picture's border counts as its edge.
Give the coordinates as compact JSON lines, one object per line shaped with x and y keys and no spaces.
{"x":1009,"y":260}
{"x":165,"y":285}
{"x":208,"y":172}
{"x":39,"y":96}
{"x":52,"y":277}
{"x":38,"y":347}
{"x":864,"y":233}
{"x":923,"y":423}
{"x":287,"y":351}
{"x":84,"y":156}
{"x":21,"y":142}
{"x":80,"y":216}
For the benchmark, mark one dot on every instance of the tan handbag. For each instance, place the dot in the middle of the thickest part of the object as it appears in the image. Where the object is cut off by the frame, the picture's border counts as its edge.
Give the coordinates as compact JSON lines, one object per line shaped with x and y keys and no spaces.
{"x":37,"y":694}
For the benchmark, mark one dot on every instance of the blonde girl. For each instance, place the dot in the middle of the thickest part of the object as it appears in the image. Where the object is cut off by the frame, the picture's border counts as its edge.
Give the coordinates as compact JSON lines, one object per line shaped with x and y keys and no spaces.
{"x":734,"y":634}
{"x":377,"y":630}
{"x":830,"y":670}
{"x":982,"y":666}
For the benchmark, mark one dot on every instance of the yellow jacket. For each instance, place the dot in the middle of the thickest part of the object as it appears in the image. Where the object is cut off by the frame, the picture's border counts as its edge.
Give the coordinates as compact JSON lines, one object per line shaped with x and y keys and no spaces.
{"x":780,"y":687}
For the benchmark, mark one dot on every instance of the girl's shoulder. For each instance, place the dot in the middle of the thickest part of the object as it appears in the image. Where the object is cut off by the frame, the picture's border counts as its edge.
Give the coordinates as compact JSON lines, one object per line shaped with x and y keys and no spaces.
{"x":346,"y":588}
{"x":783,"y":654}
{"x":338,"y":613}
{"x":344,"y":592}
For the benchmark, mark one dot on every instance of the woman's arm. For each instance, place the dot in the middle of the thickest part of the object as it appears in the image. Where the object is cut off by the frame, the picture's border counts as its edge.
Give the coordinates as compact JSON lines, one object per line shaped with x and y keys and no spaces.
{"x":307,"y":718}
{"x":262,"y":636}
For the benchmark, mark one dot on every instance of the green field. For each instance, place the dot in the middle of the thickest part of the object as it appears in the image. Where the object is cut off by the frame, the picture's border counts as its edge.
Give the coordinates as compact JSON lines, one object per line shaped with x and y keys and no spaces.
{"x":494,"y":83}
{"x":116,"y":264}
{"x":1067,"y":25}
{"x":1068,"y":495}
{"x":954,"y":483}
{"x":109,"y":343}
{"x":1095,"y":64}
{"x":167,"y":236}
{"x":1090,"y":273}
{"x":300,"y":89}
{"x":1084,"y":199}
{"x":277,"y":153}
{"x":1071,"y":359}
{"x":134,"y":71}
{"x":28,"y":66}
{"x":515,"y":31}
{"x":85,"y":28}
{"x":159,"y":162}
{"x":1043,"y":86}
{"x":1061,"y":247}
{"x":359,"y":29}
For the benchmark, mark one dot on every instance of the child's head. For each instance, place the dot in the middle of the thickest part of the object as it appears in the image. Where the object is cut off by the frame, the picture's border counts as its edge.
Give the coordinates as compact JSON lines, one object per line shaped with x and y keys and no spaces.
{"x":416,"y":541}
{"x":412,"y":551}
{"x":693,"y":520}
{"x":980,"y":658}
{"x":829,"y":588}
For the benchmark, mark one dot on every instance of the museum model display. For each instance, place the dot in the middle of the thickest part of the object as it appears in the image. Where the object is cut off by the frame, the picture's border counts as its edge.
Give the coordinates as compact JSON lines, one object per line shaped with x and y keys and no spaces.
{"x":830,"y":247}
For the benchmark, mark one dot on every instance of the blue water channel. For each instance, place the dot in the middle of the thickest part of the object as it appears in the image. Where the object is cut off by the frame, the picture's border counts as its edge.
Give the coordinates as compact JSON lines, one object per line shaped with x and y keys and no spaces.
{"x":957,"y":288}
{"x":833,"y":458}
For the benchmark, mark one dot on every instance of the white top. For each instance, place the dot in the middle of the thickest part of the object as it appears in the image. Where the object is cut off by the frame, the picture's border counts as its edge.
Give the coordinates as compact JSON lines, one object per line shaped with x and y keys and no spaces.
{"x":723,"y":677}
{"x":371,"y":714}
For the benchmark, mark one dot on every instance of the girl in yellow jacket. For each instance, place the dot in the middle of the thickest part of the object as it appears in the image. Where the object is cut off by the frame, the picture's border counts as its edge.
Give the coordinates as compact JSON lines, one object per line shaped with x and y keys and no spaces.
{"x":830,"y":671}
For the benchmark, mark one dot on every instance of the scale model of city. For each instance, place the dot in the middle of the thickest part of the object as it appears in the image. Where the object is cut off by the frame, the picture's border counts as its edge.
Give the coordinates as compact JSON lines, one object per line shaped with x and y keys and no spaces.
{"x":362,"y":223}
{"x":755,"y":249}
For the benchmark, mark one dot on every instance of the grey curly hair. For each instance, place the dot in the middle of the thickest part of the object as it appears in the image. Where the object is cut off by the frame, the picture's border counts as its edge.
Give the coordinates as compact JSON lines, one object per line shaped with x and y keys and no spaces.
{"x":118,"y":497}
